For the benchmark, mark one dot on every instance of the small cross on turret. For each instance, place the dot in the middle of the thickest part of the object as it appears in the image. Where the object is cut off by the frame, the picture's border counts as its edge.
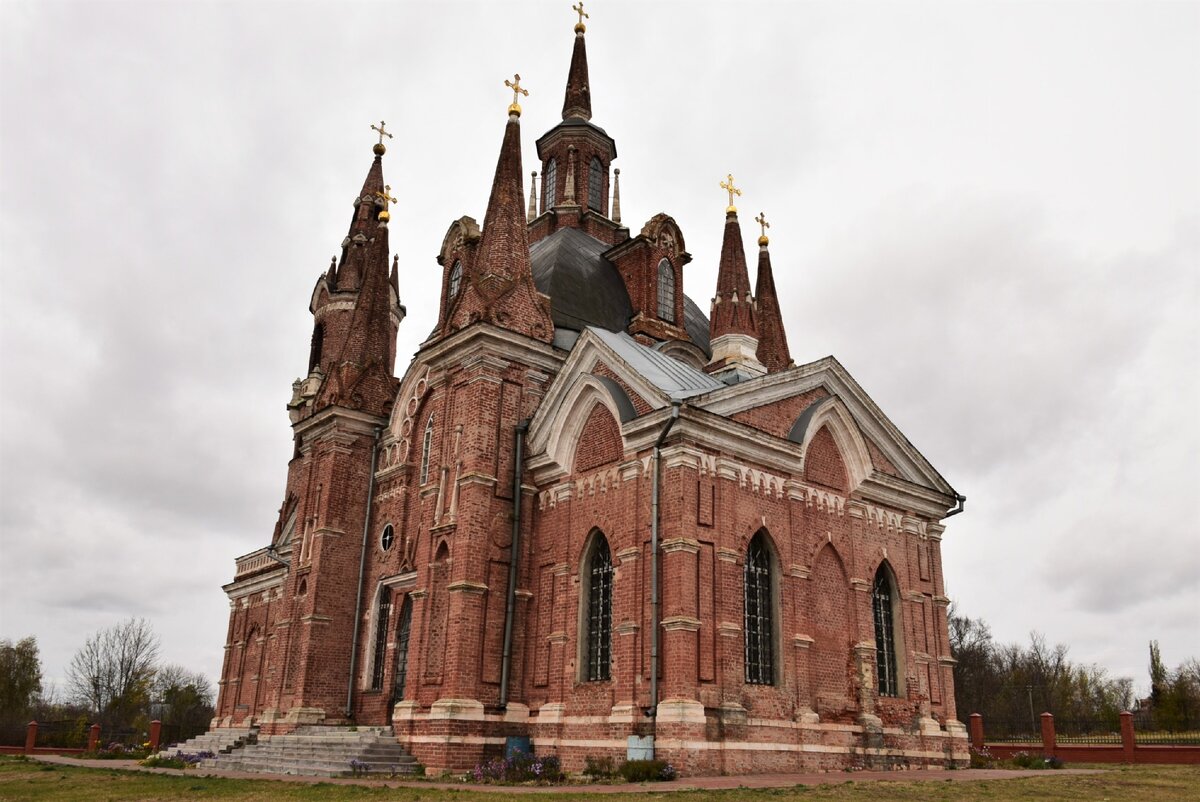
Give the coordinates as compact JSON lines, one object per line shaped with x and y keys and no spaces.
{"x":515,"y":86}
{"x":578,"y":9}
{"x":728,"y":186}
{"x":764,"y":225}
{"x":380,"y":148}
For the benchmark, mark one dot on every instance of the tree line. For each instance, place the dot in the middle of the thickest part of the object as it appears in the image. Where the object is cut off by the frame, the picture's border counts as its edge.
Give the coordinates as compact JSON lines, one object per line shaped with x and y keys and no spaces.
{"x":115,"y":679}
{"x":1012,"y":685}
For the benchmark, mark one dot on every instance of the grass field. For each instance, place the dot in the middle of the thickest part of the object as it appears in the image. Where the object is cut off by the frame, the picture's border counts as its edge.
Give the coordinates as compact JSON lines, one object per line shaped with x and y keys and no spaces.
{"x":29,"y":780}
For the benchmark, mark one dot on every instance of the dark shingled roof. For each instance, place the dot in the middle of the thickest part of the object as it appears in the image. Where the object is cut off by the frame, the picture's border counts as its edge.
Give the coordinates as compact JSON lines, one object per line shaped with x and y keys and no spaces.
{"x":585,"y":289}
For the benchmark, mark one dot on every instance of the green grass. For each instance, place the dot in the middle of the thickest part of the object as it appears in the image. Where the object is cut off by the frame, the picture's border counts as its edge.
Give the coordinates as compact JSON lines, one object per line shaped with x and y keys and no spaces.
{"x":29,"y":780}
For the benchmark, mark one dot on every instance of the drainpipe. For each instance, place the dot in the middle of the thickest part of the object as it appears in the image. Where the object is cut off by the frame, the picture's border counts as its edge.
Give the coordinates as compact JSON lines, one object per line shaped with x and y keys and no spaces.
{"x":362,"y":568}
{"x":656,"y":456}
{"x":515,"y":549}
{"x":962,"y":503}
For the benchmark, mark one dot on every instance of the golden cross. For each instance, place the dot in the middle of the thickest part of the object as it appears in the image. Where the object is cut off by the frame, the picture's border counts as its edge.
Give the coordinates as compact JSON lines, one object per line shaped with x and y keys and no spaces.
{"x":762,"y":221}
{"x":386,"y":195}
{"x":732,"y":190}
{"x":582,"y":14}
{"x":515,"y":86}
{"x":382,"y":133}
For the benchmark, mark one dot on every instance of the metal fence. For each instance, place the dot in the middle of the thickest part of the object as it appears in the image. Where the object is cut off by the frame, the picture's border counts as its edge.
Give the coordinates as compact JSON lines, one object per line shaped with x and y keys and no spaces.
{"x":1013,"y":732}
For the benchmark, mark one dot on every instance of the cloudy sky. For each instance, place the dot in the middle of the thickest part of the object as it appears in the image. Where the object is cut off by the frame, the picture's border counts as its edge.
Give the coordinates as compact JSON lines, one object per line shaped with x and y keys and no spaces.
{"x":989,"y":212}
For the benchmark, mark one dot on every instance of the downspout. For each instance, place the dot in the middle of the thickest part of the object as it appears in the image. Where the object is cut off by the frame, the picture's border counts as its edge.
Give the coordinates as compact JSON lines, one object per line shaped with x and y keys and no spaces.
{"x":362,"y":568}
{"x":962,"y":503}
{"x":514,"y":551}
{"x":656,"y":457}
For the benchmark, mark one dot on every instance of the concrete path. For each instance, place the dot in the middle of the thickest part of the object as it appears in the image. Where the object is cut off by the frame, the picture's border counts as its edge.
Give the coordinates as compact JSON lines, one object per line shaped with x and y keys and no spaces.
{"x":685,"y":784}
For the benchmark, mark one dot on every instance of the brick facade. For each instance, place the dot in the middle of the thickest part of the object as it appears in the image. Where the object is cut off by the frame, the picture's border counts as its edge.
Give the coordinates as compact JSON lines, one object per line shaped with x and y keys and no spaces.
{"x":400,"y":499}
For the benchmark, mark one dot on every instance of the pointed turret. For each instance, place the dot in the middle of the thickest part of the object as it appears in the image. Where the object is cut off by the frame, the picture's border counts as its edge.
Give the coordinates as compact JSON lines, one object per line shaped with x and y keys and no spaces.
{"x":578,"y":99}
{"x":501,"y":289}
{"x":357,"y":311}
{"x":733,"y":322}
{"x":772,"y":339}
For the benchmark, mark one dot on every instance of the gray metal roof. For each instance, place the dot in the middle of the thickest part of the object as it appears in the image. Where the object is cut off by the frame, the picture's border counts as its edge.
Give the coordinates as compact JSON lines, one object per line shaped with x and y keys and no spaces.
{"x":585,"y":289}
{"x":673,"y":377}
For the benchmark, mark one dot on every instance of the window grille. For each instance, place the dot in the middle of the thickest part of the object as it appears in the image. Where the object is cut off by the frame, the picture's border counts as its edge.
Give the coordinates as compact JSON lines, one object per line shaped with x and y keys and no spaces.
{"x":402,"y":632}
{"x":595,"y":184}
{"x":666,"y":291}
{"x":455,"y":279}
{"x":381,"y":629}
{"x":599,"y":611}
{"x":885,"y":644}
{"x":549,"y":193}
{"x":760,"y":663}
{"x":426,"y":445}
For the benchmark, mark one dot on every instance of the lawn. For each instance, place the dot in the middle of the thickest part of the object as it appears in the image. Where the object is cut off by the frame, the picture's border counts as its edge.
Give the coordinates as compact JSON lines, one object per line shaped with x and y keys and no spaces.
{"x":28,"y":780}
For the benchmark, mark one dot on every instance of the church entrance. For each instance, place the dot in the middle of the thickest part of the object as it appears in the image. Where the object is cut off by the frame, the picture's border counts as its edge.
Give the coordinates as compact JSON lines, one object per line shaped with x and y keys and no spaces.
{"x":400,"y":675}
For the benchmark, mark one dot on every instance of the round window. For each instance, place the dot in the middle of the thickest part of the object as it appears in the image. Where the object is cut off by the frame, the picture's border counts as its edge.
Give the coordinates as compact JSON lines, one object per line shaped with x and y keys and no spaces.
{"x":387,"y":538}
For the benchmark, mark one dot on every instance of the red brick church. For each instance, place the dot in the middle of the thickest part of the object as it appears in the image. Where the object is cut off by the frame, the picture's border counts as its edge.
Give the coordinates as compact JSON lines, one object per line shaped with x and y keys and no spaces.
{"x":586,"y":514}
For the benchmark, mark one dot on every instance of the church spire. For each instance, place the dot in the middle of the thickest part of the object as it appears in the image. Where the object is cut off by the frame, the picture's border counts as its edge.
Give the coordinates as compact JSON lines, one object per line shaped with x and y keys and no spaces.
{"x":501,"y":289}
{"x":733,"y":322}
{"x":578,"y":100}
{"x":772,"y":338}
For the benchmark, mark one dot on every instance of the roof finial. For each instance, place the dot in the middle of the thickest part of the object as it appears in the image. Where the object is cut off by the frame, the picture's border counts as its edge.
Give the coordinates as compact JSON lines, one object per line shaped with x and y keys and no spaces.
{"x":728,"y":186}
{"x":380,"y":148}
{"x":764,"y":225}
{"x":616,"y":200}
{"x":532,"y":197}
{"x":386,"y":197}
{"x":515,"y":86}
{"x":579,"y":26}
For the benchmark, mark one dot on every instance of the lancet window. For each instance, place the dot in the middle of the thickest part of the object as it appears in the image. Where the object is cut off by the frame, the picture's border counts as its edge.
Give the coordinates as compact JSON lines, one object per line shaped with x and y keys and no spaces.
{"x":599,"y":575}
{"x":759,"y":614}
{"x":885,"y":633}
{"x":666,"y":291}
{"x":595,"y":185}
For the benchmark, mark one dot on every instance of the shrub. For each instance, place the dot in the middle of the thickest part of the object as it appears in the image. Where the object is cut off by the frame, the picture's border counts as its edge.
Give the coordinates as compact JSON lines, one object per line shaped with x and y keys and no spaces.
{"x":1025,"y":760}
{"x":982,"y":758}
{"x":637,"y":771}
{"x":179,"y":760}
{"x":599,"y":768}
{"x":520,"y":767}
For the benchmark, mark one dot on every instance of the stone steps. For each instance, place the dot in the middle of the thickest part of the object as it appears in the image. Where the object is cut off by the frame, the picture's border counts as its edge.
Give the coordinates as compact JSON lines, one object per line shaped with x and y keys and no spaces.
{"x":321,"y":752}
{"x":217,"y":740}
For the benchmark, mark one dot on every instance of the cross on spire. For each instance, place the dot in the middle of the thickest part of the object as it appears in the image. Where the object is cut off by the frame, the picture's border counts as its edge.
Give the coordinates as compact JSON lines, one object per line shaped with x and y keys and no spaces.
{"x":578,"y":9}
{"x":764,"y":225}
{"x":728,"y":186}
{"x":380,"y":148}
{"x":515,"y":86}
{"x":385,"y":195}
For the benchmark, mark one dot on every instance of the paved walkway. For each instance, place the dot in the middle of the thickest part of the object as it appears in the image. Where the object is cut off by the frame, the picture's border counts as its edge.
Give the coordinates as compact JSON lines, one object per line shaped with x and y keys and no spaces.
{"x":685,"y":784}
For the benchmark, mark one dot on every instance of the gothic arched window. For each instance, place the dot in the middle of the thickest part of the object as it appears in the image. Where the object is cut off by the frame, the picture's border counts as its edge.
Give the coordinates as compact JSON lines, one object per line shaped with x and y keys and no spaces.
{"x":403,"y":629}
{"x":595,"y":184}
{"x":885,"y":633}
{"x":381,"y":629}
{"x":455,"y":279}
{"x":666,"y":291}
{"x":426,"y":446}
{"x":760,"y":624}
{"x":598,"y":614}
{"x":550,"y":176}
{"x":318,"y":343}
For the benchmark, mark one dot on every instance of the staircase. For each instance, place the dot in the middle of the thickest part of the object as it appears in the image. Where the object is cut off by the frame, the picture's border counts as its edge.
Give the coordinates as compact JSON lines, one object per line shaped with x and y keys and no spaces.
{"x":321,"y":752}
{"x":218,"y":740}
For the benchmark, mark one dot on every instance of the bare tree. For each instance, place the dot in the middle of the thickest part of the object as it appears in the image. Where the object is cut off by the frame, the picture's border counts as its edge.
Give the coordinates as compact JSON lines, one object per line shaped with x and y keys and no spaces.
{"x":112,"y":672}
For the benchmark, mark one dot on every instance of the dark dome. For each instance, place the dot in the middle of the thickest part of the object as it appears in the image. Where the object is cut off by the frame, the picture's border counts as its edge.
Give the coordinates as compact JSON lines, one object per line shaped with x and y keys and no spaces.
{"x":585,"y":289}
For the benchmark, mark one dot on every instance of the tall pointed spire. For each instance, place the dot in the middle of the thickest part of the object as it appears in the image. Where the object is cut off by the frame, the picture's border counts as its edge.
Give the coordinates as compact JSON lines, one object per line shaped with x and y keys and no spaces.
{"x":501,"y":289}
{"x":733,"y":322}
{"x":578,"y":100}
{"x":772,"y":338}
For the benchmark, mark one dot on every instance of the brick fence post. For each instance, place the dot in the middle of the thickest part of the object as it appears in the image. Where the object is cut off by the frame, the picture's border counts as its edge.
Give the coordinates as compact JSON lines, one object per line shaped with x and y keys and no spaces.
{"x":976,"y":724}
{"x":1048,"y":739}
{"x":93,"y":738}
{"x":30,"y":737}
{"x":155,"y":734}
{"x":1128,"y":741}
